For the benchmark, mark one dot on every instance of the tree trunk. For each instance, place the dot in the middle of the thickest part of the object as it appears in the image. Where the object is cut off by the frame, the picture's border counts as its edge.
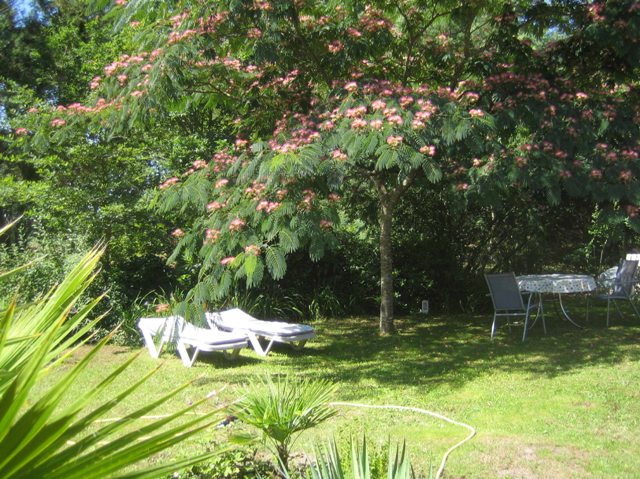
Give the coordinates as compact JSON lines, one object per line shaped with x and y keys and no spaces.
{"x":386,"y":267}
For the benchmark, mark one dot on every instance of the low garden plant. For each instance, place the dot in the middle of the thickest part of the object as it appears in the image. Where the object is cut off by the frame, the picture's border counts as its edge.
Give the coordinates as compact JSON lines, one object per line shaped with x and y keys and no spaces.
{"x":282,"y":409}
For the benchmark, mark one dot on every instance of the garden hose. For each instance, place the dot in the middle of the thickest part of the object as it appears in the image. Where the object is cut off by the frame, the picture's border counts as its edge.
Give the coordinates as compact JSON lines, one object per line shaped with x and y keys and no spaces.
{"x":472,"y":431}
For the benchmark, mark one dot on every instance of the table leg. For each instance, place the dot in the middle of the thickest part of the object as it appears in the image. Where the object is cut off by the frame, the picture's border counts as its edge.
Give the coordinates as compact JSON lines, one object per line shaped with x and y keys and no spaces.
{"x":566,"y":315}
{"x":539,"y":312}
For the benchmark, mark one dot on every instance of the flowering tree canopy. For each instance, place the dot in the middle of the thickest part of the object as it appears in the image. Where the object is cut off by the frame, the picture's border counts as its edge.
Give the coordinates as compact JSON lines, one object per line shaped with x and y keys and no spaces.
{"x":330,"y":96}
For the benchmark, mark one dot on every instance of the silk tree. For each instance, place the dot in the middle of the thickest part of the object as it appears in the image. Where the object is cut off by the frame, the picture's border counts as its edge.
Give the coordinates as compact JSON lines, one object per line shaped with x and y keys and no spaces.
{"x":329,"y":95}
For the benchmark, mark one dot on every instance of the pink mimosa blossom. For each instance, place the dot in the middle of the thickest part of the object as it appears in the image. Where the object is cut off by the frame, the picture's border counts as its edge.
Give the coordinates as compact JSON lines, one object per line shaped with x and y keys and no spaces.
{"x":395,"y":120}
{"x":376,"y":124}
{"x":21,"y":131}
{"x":472,"y":96}
{"x":214,"y":205}
{"x":162,"y":308}
{"x":339,"y":155}
{"x":227,"y":260}
{"x":221,"y":183}
{"x":335,"y":46}
{"x":394,"y":141}
{"x":521,"y":161}
{"x":429,"y":150}
{"x":358,"y":123}
{"x":236,"y":225}
{"x":211,"y":235}
{"x":596,"y":173}
{"x":326,"y":224}
{"x":405,"y":101}
{"x":252,"y":249}
{"x":476,"y":113}
{"x":626,"y":175}
{"x":177,"y":233}
{"x":199,"y":164}
{"x":170,"y":182}
{"x":58,"y":122}
{"x":351,"y":86}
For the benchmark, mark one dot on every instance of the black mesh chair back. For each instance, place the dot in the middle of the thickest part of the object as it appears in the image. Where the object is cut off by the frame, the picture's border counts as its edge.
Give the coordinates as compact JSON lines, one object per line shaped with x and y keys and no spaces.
{"x":507,"y":299}
{"x":505,"y":293}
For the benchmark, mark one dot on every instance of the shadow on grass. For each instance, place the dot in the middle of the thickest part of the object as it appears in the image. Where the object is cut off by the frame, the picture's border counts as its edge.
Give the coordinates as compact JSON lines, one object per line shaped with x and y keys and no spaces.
{"x":456,"y":349}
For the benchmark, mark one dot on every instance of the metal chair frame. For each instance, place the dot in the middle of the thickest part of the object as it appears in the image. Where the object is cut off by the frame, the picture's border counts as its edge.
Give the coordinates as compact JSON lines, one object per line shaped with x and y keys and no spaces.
{"x":622,"y":288}
{"x":507,"y":301}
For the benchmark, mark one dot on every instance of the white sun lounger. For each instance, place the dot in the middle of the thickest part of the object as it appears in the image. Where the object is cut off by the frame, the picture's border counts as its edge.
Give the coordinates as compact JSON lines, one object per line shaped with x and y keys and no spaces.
{"x":273,"y":331}
{"x":187,"y":336}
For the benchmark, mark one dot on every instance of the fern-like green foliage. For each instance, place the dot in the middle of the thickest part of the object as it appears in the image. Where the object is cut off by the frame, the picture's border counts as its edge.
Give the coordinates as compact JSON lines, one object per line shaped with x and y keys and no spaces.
{"x":54,"y":436}
{"x":283,"y":408}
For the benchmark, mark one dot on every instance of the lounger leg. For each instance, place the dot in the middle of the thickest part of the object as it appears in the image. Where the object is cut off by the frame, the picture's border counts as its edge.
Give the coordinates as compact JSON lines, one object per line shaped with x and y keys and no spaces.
{"x":255,"y":343}
{"x":299,"y":344}
{"x":231,"y":355}
{"x":184,"y":354}
{"x":268,"y":348}
{"x":151,"y":346}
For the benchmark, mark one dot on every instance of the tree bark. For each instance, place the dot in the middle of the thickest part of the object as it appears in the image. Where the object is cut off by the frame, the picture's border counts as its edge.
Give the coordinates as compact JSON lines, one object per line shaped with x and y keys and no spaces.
{"x":386,"y":267}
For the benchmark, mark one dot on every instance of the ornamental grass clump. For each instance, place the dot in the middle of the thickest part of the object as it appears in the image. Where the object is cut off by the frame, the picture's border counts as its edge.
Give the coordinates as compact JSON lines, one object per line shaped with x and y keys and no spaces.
{"x":284,"y":408}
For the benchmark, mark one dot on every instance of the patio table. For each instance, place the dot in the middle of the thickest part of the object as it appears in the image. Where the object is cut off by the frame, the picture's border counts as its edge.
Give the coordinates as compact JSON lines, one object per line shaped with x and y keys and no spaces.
{"x":559,"y":284}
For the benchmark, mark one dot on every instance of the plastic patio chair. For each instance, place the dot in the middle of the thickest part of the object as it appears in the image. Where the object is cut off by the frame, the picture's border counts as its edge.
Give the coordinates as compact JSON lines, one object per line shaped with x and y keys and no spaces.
{"x":621,"y":287}
{"x":507,"y":300}
{"x":273,"y":331}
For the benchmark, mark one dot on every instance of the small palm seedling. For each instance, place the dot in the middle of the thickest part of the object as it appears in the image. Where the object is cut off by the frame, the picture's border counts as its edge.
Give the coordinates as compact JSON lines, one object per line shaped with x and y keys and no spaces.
{"x":283,"y":408}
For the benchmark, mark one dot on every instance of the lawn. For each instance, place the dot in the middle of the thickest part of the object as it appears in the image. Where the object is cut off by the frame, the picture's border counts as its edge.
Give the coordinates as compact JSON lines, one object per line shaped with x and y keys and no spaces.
{"x":565,"y":405}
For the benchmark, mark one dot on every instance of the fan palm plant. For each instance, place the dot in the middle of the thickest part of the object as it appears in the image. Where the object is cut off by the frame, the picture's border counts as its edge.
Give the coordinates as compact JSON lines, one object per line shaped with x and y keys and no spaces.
{"x":52,"y":437}
{"x":283,"y":408}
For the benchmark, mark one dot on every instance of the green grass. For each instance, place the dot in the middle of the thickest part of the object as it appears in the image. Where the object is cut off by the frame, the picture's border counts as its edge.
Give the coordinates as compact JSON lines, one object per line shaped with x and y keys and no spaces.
{"x":565,"y":405}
